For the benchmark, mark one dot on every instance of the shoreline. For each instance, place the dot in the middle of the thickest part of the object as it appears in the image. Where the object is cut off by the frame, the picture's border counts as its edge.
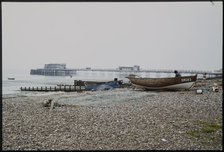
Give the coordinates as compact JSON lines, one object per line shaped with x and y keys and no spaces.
{"x":135,"y":120}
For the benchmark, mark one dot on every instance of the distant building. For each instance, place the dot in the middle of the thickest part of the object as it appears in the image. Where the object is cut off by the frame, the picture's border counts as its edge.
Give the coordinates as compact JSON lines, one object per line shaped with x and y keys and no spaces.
{"x":53,"y":70}
{"x":134,"y":68}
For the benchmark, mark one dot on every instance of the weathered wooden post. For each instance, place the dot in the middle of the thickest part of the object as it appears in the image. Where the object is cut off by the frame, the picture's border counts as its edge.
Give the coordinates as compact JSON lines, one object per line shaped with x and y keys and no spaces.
{"x":52,"y":105}
{"x":80,"y":86}
{"x":75,"y":83}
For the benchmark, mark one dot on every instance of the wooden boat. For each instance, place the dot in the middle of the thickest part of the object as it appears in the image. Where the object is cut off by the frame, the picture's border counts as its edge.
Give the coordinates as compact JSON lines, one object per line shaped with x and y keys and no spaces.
{"x":11,"y":78}
{"x":172,"y":83}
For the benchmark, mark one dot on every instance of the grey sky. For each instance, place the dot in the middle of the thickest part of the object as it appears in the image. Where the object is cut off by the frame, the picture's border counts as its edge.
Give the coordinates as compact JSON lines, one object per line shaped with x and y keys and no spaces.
{"x":153,"y":35}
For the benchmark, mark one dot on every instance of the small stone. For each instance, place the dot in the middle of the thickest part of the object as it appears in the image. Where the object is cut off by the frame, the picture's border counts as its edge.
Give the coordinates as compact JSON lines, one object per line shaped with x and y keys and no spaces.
{"x":164,"y":140}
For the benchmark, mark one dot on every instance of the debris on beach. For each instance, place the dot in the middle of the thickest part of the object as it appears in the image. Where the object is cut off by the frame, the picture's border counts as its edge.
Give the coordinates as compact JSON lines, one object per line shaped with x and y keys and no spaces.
{"x":51,"y":104}
{"x":215,"y":87}
{"x":47,"y":103}
{"x":199,"y":91}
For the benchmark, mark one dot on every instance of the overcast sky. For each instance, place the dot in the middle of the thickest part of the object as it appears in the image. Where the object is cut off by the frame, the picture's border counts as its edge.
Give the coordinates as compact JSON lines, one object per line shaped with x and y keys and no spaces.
{"x":153,"y":35}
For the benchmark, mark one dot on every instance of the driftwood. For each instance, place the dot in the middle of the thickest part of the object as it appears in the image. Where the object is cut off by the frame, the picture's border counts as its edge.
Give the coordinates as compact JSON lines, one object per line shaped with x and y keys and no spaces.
{"x":215,"y":87}
{"x":47,"y":103}
{"x":51,"y":104}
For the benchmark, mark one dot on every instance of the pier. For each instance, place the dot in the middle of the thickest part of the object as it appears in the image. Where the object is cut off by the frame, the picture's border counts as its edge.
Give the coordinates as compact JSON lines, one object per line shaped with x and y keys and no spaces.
{"x":53,"y":70}
{"x":131,"y":70}
{"x":61,"y":70}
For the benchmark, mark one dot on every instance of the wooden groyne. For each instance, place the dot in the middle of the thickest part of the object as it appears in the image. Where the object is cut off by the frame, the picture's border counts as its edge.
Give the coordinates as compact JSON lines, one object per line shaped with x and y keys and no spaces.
{"x":78,"y":86}
{"x":66,"y":88}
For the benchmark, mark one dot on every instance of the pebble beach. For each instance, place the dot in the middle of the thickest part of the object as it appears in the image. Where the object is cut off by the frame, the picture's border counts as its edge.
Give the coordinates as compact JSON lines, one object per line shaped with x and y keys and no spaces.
{"x":119,"y":119}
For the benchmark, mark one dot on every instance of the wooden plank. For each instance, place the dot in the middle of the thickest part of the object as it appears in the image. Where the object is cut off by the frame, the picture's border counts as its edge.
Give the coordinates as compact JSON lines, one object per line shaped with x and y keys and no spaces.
{"x":52,"y":105}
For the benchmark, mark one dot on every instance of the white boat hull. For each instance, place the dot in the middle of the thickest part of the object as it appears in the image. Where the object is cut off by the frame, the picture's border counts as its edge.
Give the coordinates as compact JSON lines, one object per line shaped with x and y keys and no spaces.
{"x":182,"y":86}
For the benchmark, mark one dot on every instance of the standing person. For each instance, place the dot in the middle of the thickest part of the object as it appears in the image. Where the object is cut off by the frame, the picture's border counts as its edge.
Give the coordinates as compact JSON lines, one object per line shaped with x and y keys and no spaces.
{"x":177,"y":74}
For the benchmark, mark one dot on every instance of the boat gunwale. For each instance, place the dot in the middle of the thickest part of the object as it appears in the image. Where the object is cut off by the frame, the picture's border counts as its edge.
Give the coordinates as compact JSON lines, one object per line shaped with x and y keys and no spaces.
{"x":162,"y":78}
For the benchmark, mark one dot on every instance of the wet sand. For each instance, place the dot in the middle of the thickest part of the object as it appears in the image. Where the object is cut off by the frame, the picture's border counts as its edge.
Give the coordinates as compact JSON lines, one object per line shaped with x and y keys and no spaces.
{"x":180,"y":120}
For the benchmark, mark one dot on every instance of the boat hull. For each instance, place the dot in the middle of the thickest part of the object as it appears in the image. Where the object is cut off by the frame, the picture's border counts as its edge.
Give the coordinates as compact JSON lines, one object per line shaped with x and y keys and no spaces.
{"x":101,"y":85}
{"x":179,"y":83}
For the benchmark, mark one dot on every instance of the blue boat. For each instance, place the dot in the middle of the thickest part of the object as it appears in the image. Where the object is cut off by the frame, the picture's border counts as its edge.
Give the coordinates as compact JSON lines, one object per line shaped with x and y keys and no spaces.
{"x":96,"y":86}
